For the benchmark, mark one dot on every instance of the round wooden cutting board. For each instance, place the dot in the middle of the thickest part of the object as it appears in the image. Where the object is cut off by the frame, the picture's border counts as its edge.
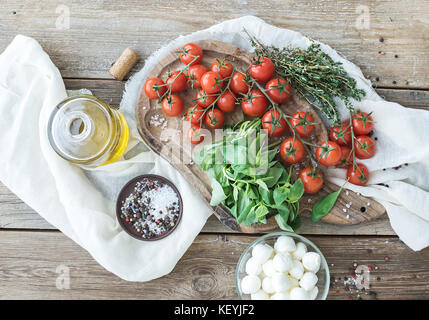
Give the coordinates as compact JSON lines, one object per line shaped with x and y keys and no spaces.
{"x":167,"y":137}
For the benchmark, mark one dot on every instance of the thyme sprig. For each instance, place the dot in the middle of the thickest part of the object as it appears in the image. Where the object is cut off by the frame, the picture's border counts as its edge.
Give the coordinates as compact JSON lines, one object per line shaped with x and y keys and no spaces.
{"x":314,"y":75}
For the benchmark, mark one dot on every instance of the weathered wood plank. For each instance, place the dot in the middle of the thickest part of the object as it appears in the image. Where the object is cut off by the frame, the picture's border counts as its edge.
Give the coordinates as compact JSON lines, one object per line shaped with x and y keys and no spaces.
{"x":99,"y":31}
{"x":206,"y":271}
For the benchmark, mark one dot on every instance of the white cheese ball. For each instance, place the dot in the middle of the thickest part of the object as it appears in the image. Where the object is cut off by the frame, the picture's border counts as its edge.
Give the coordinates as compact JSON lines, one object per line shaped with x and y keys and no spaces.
{"x":259,"y":295}
{"x":282,"y":262}
{"x":267,"y":285}
{"x":285,"y":244}
{"x":262,"y":252}
{"x":293,"y":283}
{"x":253,"y":267}
{"x":297,"y":270}
{"x":268,"y":268}
{"x":299,"y":294}
{"x":301,"y":249}
{"x":280,"y":282}
{"x":313,"y":293}
{"x":250,"y":284}
{"x":311,"y":261}
{"x":308,"y":281}
{"x":280,"y":296}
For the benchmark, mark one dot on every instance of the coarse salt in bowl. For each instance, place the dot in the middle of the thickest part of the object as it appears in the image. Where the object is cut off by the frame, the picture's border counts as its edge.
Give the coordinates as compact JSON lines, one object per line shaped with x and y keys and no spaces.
{"x":306,"y":269}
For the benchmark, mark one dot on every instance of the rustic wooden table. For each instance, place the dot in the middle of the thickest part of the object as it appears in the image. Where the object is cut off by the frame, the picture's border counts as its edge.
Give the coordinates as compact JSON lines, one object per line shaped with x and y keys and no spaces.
{"x":387,"y":39}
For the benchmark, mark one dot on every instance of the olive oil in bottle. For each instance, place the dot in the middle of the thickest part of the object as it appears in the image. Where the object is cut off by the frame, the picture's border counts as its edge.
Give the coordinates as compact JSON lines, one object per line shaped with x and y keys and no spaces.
{"x":85,"y":130}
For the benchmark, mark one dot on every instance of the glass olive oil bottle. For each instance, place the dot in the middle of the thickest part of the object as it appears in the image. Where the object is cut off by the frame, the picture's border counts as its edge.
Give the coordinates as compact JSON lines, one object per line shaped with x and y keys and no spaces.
{"x":85,"y":130}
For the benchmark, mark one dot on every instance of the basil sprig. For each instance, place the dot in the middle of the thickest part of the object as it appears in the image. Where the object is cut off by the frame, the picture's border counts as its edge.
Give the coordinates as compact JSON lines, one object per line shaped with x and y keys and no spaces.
{"x":248,"y":180}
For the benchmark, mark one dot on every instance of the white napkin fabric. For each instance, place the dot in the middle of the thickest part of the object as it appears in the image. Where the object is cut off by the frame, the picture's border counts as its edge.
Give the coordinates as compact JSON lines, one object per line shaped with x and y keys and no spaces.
{"x":402,"y":133}
{"x":80,"y":203}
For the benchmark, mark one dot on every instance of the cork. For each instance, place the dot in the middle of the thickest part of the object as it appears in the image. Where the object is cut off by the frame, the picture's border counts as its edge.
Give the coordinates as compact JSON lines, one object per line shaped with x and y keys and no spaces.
{"x":124,"y":64}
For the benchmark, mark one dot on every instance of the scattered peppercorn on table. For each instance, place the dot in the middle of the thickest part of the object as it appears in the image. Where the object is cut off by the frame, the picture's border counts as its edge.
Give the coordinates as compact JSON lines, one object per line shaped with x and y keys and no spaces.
{"x":394,"y":61}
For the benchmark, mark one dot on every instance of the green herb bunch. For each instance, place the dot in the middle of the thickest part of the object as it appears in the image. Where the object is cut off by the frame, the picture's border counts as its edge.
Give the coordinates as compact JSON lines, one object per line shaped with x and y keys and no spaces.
{"x":248,"y":180}
{"x":313,"y":74}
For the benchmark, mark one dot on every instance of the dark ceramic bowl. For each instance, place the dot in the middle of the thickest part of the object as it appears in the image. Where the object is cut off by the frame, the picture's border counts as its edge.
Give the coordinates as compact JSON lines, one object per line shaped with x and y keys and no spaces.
{"x":128,"y":189}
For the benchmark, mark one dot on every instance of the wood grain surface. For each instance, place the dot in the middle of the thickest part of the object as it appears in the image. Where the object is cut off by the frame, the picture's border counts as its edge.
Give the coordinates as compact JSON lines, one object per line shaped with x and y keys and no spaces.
{"x":392,"y":52}
{"x":99,"y":31}
{"x":206,"y":271}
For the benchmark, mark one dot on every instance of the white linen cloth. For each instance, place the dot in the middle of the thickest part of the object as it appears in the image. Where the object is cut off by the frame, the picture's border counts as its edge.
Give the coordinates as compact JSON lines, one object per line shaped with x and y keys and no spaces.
{"x":81,"y":203}
{"x":78,"y":202}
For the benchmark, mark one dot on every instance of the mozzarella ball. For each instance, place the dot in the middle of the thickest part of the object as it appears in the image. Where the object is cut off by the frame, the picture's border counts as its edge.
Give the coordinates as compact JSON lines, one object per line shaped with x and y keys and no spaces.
{"x":308,"y":281}
{"x":262,"y":252}
{"x":311,"y":261}
{"x":250,"y":284}
{"x":301,"y":249}
{"x":267,"y":285}
{"x":253,"y":267}
{"x":280,"y":282}
{"x":259,"y":295}
{"x":313,"y":293}
{"x":268,"y":268}
{"x":299,"y":294}
{"x":280,"y":296}
{"x":297,"y":270}
{"x":285,"y":244}
{"x":293,"y":283}
{"x":282,"y":262}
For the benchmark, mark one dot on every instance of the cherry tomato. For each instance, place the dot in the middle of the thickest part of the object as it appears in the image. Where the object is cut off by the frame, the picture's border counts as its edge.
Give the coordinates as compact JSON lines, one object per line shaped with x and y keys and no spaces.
{"x":274,"y":123}
{"x":154,"y":88}
{"x":195,"y":115}
{"x":292,"y":150}
{"x":346,"y":157}
{"x":278,"y":89}
{"x":222,"y":67}
{"x":226,"y":101}
{"x":189,"y":52}
{"x":262,"y":69}
{"x":194,"y":75}
{"x":254,"y":104}
{"x":177,"y":81}
{"x":312,"y":179}
{"x":329,"y":153}
{"x":238,"y":83}
{"x":359,"y":175}
{"x":211,"y":82}
{"x":364,"y":147}
{"x":302,"y":123}
{"x":172,"y":105}
{"x":204,"y":99}
{"x":194,"y":134}
{"x":341,"y":134}
{"x":362,"y":123}
{"x":214,"y":119}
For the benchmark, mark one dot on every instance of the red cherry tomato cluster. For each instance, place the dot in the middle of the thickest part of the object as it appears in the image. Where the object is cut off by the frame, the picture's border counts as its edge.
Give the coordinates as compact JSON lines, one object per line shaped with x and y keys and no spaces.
{"x":364,"y":146}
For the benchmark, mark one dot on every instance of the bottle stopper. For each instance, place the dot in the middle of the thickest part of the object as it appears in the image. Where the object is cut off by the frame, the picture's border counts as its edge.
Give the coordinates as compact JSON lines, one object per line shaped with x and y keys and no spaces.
{"x":124,"y":64}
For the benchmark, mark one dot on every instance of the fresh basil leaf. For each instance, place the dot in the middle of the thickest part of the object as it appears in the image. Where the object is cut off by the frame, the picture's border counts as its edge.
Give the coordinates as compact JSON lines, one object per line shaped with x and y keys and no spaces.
{"x":218,"y":194}
{"x":296,"y":191}
{"x":280,"y":195}
{"x":261,"y":212}
{"x":262,"y":184}
{"x":252,"y":193}
{"x":250,"y":218}
{"x":266,"y":195}
{"x":296,"y":224}
{"x":275,"y":173}
{"x":282,"y":223}
{"x":284,"y":211}
{"x":322,"y":207}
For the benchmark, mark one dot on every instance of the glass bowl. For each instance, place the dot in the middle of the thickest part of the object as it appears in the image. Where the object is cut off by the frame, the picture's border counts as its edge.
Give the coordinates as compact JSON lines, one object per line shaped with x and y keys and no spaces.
{"x":322,"y":274}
